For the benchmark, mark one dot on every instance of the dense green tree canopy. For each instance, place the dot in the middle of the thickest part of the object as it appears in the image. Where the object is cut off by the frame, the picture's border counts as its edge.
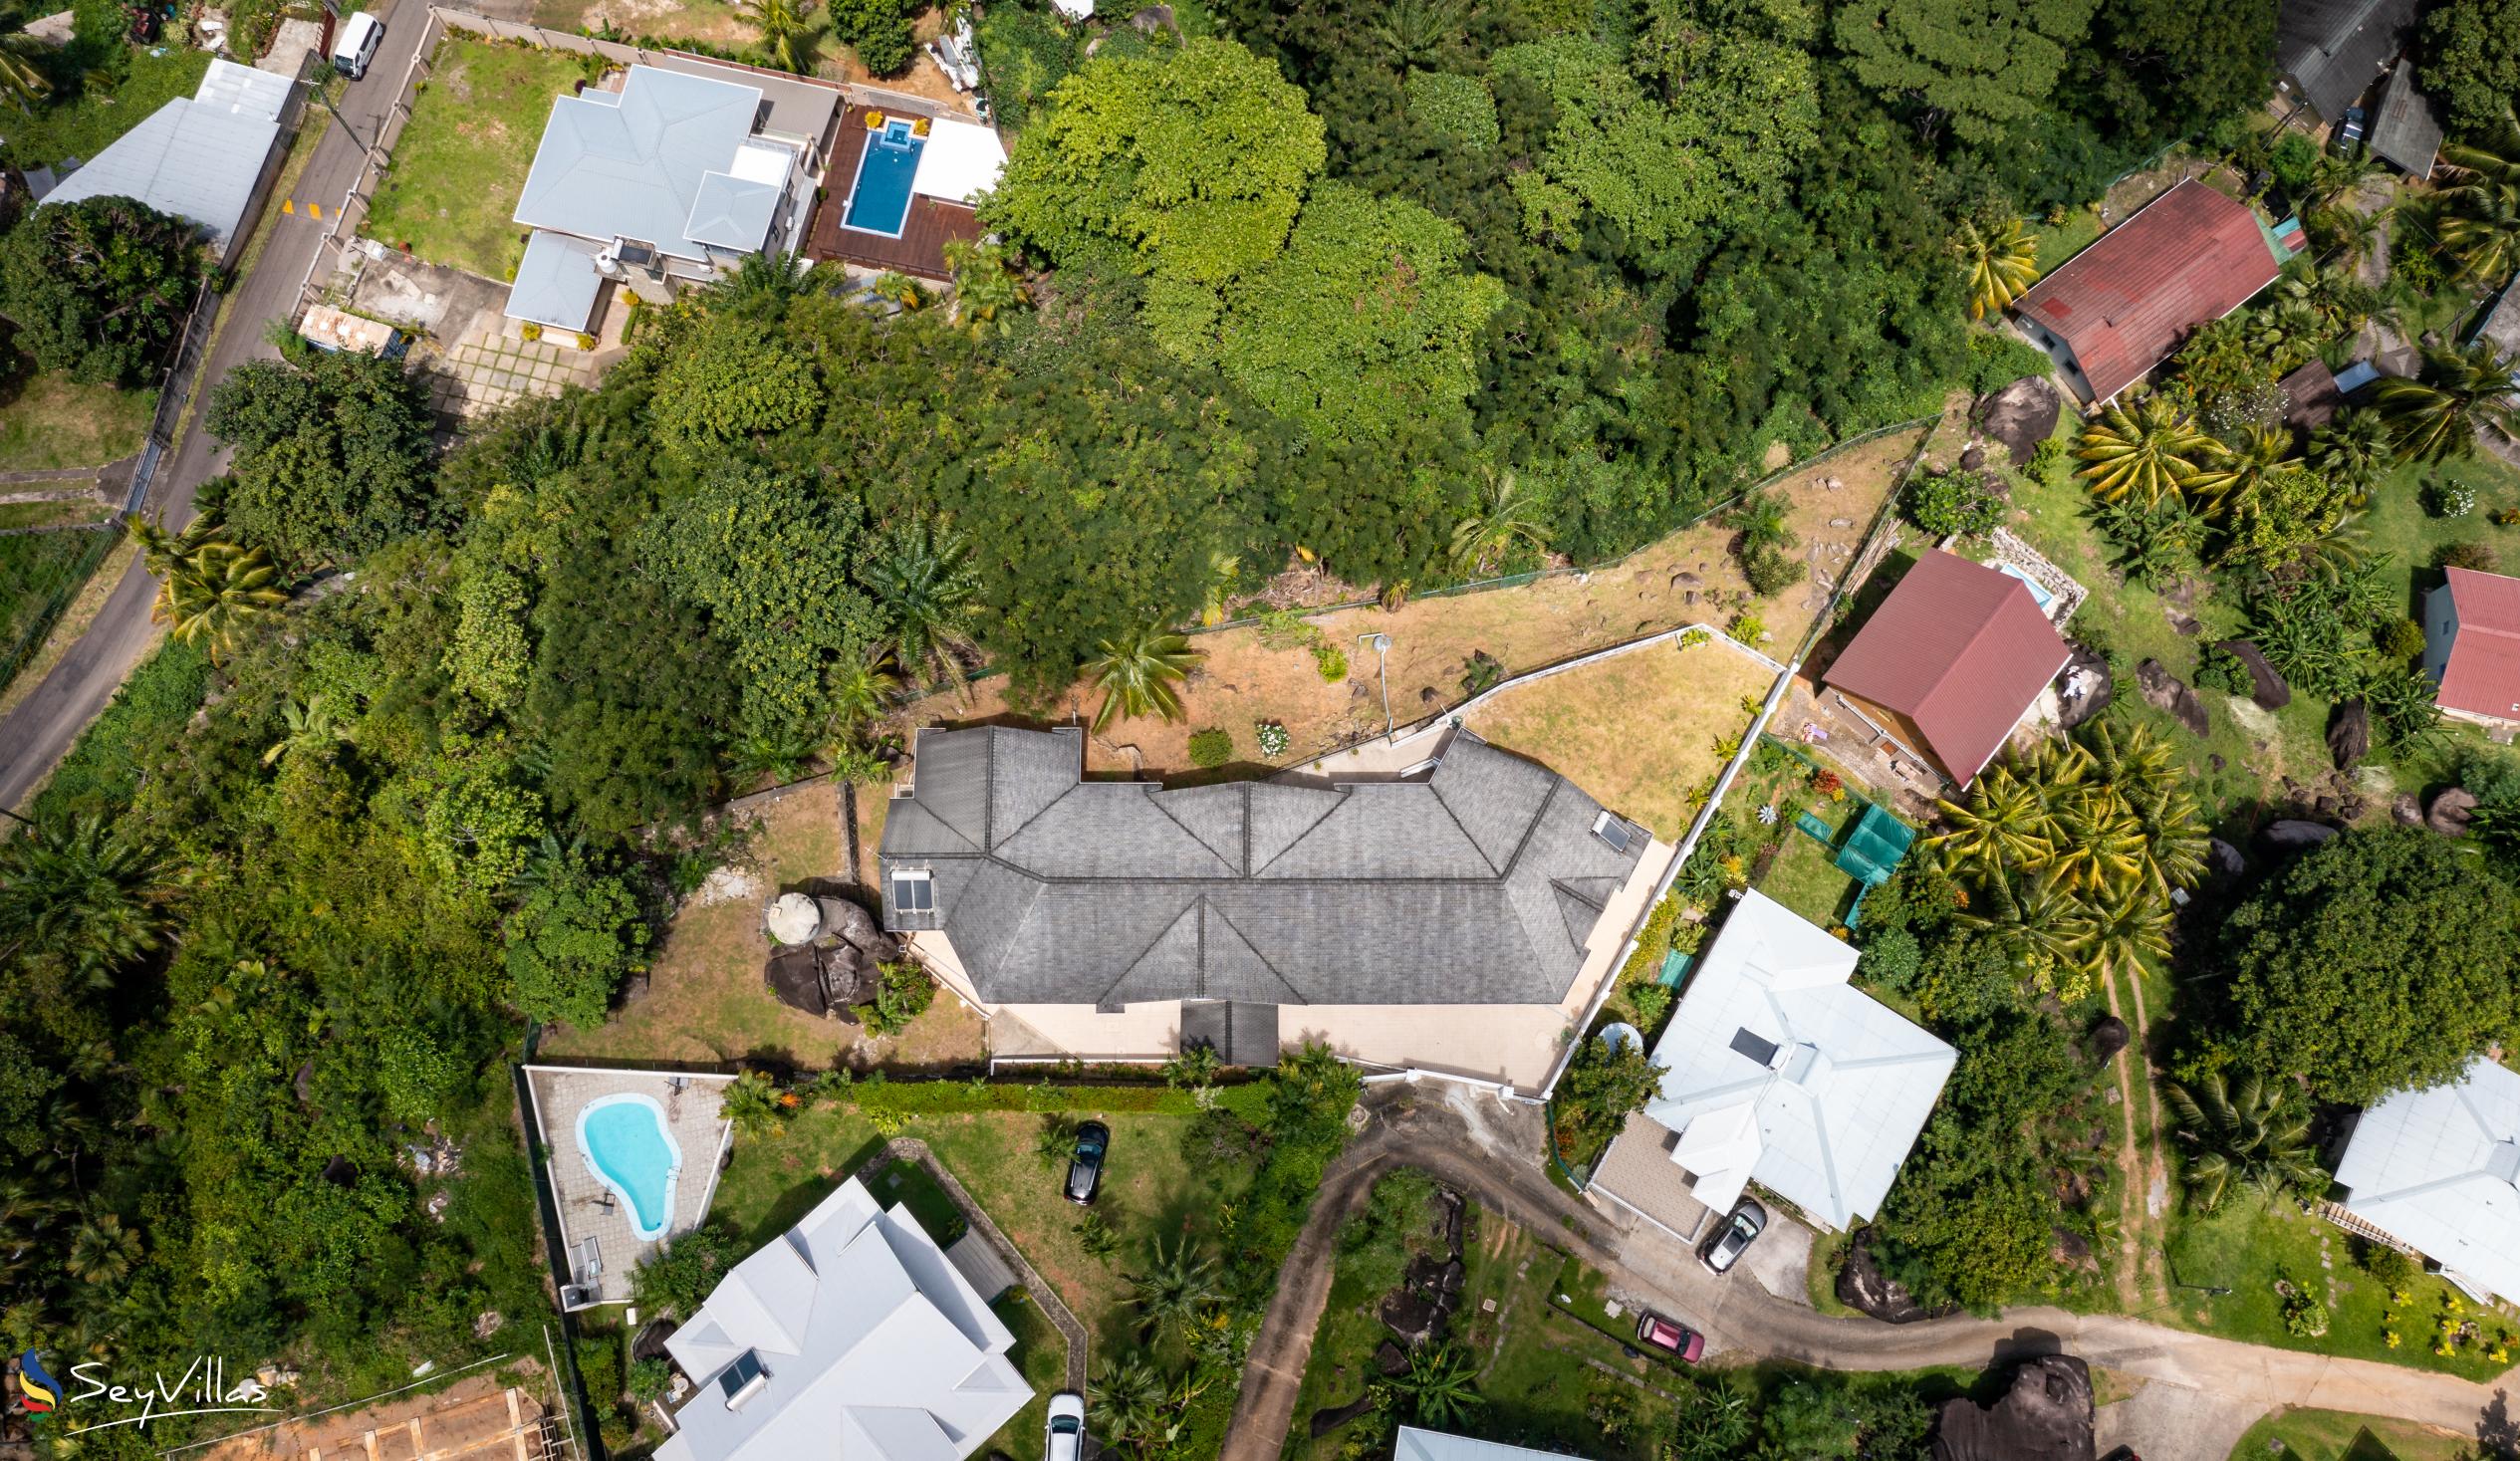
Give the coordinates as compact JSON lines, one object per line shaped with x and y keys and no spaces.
{"x":332,"y":455}
{"x":2471,"y":61}
{"x":2161,"y":69}
{"x":1987,"y":65}
{"x":1190,"y":167}
{"x":98,"y":287}
{"x":2379,"y":960}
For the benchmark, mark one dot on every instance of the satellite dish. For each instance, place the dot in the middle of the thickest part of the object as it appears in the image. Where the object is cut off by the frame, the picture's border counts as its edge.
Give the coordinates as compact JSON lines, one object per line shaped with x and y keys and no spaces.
{"x":1621,"y":1038}
{"x":792,"y":918}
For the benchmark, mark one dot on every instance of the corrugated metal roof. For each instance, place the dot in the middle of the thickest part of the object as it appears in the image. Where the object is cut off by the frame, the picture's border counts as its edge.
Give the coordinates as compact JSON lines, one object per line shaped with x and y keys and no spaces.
{"x":2123,"y":304}
{"x":1413,"y":1444}
{"x":2482,"y":676}
{"x":196,"y":157}
{"x":2407,"y":133}
{"x":2437,"y":1168}
{"x":632,"y":165}
{"x":1464,"y":888}
{"x":1960,"y":650}
{"x":2333,"y":49}
{"x":2312,"y":396}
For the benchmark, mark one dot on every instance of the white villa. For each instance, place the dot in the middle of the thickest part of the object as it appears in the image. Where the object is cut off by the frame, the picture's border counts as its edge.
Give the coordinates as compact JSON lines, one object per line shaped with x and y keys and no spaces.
{"x":2437,"y":1171}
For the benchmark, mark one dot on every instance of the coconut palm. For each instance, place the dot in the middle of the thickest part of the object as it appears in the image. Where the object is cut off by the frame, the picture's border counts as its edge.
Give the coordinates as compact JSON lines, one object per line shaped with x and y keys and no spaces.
{"x":922,"y":582}
{"x":2478,"y":223}
{"x":209,"y":598}
{"x":2242,"y":472}
{"x":1140,"y":674}
{"x":2137,"y":767}
{"x":988,"y":289}
{"x":1125,"y":1401}
{"x":312,"y":728}
{"x":1224,"y":571}
{"x":2027,"y":913}
{"x":783,"y":29}
{"x":2149,"y":455}
{"x":2116,"y":930}
{"x":71,"y":890}
{"x":862,"y":688}
{"x":2353,"y":451}
{"x":2003,"y":823}
{"x":2152,"y":542}
{"x":1440,"y":1384}
{"x":770,"y":279}
{"x":101,"y":1251}
{"x":1758,"y":521}
{"x":1414,"y":31}
{"x":2257,"y":1131}
{"x":2437,"y":417}
{"x":1502,"y":518}
{"x":21,"y":78}
{"x":2002,"y":263}
{"x":1173,"y":1287}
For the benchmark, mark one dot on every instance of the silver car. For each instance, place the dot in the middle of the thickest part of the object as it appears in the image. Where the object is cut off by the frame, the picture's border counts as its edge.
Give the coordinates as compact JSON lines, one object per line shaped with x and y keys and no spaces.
{"x":1065,"y":1440}
{"x":1746,"y":1222}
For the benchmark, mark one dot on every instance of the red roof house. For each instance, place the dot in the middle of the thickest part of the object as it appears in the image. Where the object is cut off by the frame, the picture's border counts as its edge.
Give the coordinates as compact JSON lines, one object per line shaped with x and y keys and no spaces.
{"x":2120,"y":307}
{"x":2471,"y":645}
{"x":1951,"y":663}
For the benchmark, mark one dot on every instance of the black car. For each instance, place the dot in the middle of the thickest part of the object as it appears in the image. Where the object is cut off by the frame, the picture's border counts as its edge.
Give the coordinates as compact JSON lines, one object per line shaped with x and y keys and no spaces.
{"x":1085,"y":1169}
{"x":1748,"y":1221}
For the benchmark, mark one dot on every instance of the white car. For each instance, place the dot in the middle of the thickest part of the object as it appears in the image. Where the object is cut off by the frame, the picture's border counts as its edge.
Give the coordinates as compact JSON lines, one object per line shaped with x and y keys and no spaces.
{"x":1066,"y":1438}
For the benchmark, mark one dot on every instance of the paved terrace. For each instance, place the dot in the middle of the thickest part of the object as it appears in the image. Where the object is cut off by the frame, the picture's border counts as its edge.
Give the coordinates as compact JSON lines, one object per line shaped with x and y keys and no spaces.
{"x":589,"y":1212}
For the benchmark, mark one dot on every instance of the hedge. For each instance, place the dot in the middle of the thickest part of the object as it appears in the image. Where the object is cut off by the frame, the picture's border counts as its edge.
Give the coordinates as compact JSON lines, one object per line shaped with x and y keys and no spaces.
{"x":1249,"y":1101}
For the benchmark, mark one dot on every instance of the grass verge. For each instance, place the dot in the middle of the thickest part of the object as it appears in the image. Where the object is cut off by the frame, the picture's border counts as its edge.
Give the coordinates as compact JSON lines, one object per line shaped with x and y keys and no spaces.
{"x":50,"y":422}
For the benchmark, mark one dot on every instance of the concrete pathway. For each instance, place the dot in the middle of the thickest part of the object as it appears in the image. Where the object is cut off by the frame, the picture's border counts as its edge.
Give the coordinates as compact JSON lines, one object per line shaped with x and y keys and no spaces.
{"x":1489,"y":1152}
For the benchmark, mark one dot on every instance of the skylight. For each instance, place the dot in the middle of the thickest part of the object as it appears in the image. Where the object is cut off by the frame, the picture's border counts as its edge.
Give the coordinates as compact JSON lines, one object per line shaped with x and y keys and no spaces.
{"x":740,"y":1379}
{"x":1614,"y":831}
{"x":913,"y":892}
{"x":1759,"y":1048}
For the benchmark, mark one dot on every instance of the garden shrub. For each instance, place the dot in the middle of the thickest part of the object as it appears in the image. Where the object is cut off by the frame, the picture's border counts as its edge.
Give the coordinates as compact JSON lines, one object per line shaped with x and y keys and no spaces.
{"x":903,"y":994}
{"x":2046,"y":457}
{"x":2218,"y":668}
{"x":1652,"y":942}
{"x":1892,"y":958}
{"x":2399,"y":638}
{"x":1771,"y":572}
{"x":1332,"y":662}
{"x":2446,"y":497}
{"x":1998,"y":358}
{"x":2388,"y":1266}
{"x":1272,"y":738}
{"x":2474,"y":556}
{"x":1212,"y":747}
{"x":1952,"y":502}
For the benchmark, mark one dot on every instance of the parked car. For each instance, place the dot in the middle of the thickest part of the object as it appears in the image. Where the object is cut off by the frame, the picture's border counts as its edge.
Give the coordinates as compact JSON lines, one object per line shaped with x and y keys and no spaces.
{"x":2350,"y":136}
{"x":1673,"y":1338}
{"x":1066,"y":1438}
{"x":1085,"y":1169}
{"x":357,"y":44}
{"x":1748,"y":1221}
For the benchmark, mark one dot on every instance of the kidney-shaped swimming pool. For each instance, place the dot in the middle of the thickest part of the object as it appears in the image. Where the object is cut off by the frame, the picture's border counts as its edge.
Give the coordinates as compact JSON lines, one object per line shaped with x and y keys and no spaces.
{"x":627,"y":1146}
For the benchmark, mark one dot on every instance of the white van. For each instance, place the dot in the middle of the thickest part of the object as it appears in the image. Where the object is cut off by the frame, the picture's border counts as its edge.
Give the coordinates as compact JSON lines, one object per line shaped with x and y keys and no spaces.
{"x":357,"y":44}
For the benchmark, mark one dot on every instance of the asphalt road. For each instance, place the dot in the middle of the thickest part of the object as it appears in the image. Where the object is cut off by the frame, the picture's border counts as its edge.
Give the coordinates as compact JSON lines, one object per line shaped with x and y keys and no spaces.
{"x":2198,"y":1391}
{"x":39,"y":732}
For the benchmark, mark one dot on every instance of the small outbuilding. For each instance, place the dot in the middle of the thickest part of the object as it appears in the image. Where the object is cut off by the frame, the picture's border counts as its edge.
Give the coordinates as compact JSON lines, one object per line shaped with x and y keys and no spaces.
{"x":2471,"y":646}
{"x":2406,"y":130}
{"x":200,"y":157}
{"x":2311,"y":396}
{"x":2329,"y":52}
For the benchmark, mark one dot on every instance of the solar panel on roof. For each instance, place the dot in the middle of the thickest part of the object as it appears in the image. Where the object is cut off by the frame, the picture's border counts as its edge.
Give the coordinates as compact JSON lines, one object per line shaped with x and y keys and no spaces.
{"x":1756,"y":1047}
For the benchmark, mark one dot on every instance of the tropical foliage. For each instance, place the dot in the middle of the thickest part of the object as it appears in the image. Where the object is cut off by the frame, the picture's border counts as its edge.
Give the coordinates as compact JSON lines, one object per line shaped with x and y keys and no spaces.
{"x":2001,"y":262}
{"x":2255,"y":1133}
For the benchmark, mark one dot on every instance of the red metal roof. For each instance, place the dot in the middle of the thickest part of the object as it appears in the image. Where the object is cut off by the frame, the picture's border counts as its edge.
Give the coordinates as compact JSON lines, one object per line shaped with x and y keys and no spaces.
{"x":1960,"y":650}
{"x":2482,"y":676}
{"x":2189,"y":255}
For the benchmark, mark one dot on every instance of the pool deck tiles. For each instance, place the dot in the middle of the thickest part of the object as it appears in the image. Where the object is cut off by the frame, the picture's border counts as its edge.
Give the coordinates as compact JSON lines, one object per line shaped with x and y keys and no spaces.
{"x":589,"y":1212}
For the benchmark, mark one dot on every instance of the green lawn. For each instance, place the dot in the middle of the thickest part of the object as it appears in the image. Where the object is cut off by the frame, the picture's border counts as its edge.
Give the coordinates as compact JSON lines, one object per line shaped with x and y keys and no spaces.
{"x":77,"y":124}
{"x":1042,"y":1356}
{"x":450,"y":195}
{"x":2251,"y":1244}
{"x":2060,"y":241}
{"x":1149,"y":1189}
{"x":35,"y":566}
{"x":2333,"y":1435}
{"x":1804,"y":878}
{"x":48,"y":422}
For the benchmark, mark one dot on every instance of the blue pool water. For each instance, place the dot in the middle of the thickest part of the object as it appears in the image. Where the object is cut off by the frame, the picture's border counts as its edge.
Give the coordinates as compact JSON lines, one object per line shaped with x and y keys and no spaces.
{"x":880,"y":202}
{"x":2037,"y":591}
{"x":625,"y":1144}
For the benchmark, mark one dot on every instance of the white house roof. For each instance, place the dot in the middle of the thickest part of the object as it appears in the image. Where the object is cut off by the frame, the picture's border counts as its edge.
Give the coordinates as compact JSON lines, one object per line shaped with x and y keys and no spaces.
{"x":959,"y":163}
{"x":1773,"y":1059}
{"x":870,"y":1344}
{"x":1434,"y":1445}
{"x":2439,"y":1168}
{"x":654,"y":162}
{"x":196,"y":157}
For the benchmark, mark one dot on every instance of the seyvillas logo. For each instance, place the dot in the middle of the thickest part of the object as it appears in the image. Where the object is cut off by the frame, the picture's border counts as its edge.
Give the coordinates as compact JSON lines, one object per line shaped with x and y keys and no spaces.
{"x":41,"y":1392}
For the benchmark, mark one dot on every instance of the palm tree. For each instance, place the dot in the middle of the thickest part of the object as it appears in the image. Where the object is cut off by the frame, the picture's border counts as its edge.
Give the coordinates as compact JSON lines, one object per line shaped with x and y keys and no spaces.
{"x":2149,"y":455}
{"x":1125,"y":1401}
{"x":21,"y":79}
{"x":2001,"y":262}
{"x":2480,"y":218}
{"x":1439,"y":1385}
{"x":2353,"y":451}
{"x":765,"y":279}
{"x":2255,"y":1133}
{"x":862,"y":689}
{"x":1413,"y":31}
{"x":1173,"y":1288}
{"x":2138,"y":768}
{"x":312,"y":727}
{"x":1224,"y":569}
{"x":71,"y":890}
{"x":1502,"y":518}
{"x":1758,"y":521}
{"x":2244,"y":472}
{"x":2027,"y":913}
{"x":2116,"y":930}
{"x":2435,"y":418}
{"x":101,"y":1251}
{"x":162,"y":552}
{"x":2152,"y":542}
{"x":211,"y":597}
{"x":1139,"y":675}
{"x":2003,"y":823}
{"x":783,"y":31}
{"x":988,"y":289}
{"x":921,"y":579}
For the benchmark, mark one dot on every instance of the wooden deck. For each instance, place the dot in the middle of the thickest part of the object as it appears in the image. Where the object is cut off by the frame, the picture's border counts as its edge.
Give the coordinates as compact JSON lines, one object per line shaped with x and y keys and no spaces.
{"x":920,"y":249}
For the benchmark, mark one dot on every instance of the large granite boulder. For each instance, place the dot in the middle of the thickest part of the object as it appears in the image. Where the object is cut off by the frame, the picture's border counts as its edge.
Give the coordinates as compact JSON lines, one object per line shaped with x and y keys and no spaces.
{"x":2166,"y":691}
{"x":2349,"y":733}
{"x":2021,"y":416}
{"x":2047,"y":1416}
{"x":2293,"y":835}
{"x":2450,"y":810}
{"x":2268,"y":688}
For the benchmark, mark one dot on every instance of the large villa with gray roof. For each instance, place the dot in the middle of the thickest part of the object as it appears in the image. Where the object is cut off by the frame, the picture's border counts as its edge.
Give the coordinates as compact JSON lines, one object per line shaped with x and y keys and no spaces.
{"x":1460,"y":919}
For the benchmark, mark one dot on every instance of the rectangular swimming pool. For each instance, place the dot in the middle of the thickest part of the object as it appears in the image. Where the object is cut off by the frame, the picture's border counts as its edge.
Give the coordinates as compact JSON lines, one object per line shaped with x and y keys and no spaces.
{"x":881,"y":201}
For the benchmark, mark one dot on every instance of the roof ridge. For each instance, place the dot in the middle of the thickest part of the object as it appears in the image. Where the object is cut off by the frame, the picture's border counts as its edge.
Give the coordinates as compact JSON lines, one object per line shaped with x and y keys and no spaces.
{"x":1150,"y":790}
{"x":1539,"y":813}
{"x":1596,"y":905}
{"x":1141,"y":956}
{"x":1266,"y":962}
{"x":1297,"y":840}
{"x":1454,"y":818}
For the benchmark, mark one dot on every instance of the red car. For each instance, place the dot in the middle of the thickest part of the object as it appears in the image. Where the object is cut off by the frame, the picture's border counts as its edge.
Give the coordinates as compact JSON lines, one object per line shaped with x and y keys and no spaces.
{"x":1656,"y":1332}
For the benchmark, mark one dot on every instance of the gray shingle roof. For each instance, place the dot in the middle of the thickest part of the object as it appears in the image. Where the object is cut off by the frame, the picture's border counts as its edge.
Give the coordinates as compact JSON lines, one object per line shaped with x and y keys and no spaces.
{"x":1478,"y":886}
{"x":2333,"y":49}
{"x":2406,"y":131}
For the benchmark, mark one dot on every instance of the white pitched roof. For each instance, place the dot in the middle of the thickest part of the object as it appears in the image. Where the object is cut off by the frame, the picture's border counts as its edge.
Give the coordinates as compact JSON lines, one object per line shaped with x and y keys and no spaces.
{"x":1839,"y":1083}
{"x":960,"y":162}
{"x":1434,"y":1445}
{"x":2440,"y":1168}
{"x":650,"y":162}
{"x":196,"y":157}
{"x":872,"y":1345}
